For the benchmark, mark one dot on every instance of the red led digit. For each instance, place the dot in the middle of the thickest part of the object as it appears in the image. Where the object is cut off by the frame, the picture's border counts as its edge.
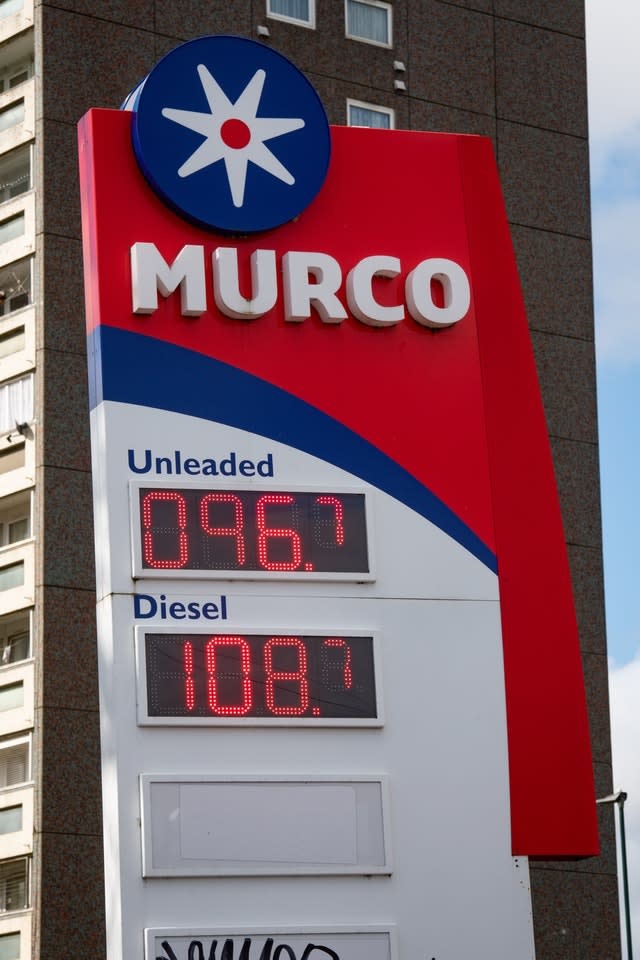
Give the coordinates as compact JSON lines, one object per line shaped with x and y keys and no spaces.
{"x":336,"y":503}
{"x":346,"y":670}
{"x":189,"y":687}
{"x":236,"y":531}
{"x":158,"y":496}
{"x":299,"y":675}
{"x":224,"y":710}
{"x":266,"y":533}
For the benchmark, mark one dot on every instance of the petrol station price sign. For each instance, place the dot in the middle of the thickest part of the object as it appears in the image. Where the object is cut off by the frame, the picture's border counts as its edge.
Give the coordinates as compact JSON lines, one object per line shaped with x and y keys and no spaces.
{"x":209,"y":677}
{"x":321,"y":471}
{"x":212,"y":530}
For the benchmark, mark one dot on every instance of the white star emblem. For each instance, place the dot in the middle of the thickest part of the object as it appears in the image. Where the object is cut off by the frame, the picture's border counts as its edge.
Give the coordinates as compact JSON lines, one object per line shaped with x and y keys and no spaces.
{"x":234,"y":133}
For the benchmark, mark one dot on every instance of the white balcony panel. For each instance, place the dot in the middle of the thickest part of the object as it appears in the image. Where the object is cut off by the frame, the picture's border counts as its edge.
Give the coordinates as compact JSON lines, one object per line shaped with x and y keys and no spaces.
{"x":14,"y":362}
{"x":18,"y":17}
{"x":17,"y":463}
{"x":20,"y":717}
{"x":21,"y":595}
{"x":18,"y":923}
{"x":19,"y":843}
{"x":23,"y":131}
{"x":23,"y":245}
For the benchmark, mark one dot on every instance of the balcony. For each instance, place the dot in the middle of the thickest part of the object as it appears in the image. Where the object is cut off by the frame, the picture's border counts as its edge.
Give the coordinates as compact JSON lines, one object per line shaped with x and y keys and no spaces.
{"x":16,"y":577}
{"x":16,"y":697}
{"x":16,"y":405}
{"x":17,"y":345}
{"x":17,"y":462}
{"x":14,"y":884}
{"x":16,"y":176}
{"x":16,"y":822}
{"x":17,"y":116}
{"x":15,"y":640}
{"x":17,"y":228}
{"x":16,"y":286}
{"x":15,"y":16}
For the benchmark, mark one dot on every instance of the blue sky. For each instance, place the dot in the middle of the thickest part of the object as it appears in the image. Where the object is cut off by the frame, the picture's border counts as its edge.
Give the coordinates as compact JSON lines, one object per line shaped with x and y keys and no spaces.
{"x":613,"y":41}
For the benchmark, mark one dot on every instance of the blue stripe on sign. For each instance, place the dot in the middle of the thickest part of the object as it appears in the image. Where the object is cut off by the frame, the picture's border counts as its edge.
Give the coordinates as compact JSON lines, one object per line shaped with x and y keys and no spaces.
{"x":141,"y":370}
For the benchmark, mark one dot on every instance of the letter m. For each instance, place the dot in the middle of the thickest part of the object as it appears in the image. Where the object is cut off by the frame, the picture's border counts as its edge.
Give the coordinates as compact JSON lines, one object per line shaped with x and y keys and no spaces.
{"x":150,"y":272}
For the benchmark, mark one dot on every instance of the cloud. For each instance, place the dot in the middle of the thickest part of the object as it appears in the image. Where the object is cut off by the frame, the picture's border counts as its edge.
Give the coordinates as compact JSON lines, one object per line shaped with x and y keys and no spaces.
{"x":616,"y":278}
{"x":613,"y":28}
{"x":625,"y":722}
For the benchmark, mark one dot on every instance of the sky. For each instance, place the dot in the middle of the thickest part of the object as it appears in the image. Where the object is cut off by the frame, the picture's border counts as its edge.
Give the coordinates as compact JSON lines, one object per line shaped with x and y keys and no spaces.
{"x":613,"y":42}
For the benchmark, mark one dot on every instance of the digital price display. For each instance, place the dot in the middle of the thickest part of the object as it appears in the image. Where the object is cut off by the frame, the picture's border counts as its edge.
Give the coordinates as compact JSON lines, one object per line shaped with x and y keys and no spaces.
{"x":237,"y":531}
{"x":239,"y":675}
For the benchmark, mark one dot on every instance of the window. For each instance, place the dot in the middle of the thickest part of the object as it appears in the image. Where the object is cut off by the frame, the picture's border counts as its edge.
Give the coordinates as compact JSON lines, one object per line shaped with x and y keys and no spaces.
{"x":15,"y":173}
{"x":19,"y":78}
{"x":368,"y":115}
{"x":11,"y":228}
{"x":14,"y":644}
{"x":7,"y":7}
{"x":16,"y":73}
{"x":370,"y":21}
{"x":15,"y":286}
{"x":14,"y":885}
{"x":12,"y":576}
{"x":12,"y":696}
{"x":15,"y":638}
{"x":16,"y":403}
{"x":302,"y":12}
{"x":12,"y":115}
{"x":17,"y":530}
{"x":10,"y":946}
{"x":15,"y":514}
{"x":14,"y":762}
{"x":10,"y":819}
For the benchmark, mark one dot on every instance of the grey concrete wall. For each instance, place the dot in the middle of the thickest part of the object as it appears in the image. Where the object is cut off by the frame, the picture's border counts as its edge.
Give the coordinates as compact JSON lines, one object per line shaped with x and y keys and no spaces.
{"x":513,"y":70}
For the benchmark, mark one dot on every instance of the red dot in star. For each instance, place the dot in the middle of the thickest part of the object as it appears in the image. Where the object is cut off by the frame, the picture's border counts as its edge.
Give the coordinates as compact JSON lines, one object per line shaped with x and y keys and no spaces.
{"x":235,"y":133}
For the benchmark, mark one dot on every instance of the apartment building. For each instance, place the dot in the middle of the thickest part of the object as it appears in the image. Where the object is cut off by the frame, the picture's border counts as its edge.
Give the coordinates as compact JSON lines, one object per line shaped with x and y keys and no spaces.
{"x":513,"y":70}
{"x":17,"y":473}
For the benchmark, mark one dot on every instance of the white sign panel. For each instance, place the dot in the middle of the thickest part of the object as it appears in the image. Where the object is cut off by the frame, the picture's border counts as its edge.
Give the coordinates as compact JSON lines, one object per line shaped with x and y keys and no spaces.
{"x":205,"y":827}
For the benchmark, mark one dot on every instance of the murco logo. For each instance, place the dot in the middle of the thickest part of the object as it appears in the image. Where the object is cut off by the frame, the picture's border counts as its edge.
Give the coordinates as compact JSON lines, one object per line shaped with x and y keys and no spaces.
{"x":230,"y":134}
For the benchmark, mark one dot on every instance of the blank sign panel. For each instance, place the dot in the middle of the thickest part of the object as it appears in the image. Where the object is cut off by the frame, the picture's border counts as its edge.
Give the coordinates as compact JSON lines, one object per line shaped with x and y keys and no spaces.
{"x":204,"y":826}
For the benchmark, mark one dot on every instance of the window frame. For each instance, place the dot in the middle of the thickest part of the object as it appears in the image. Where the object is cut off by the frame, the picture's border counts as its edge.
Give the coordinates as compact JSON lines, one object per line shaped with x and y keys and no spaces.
{"x":14,"y":508}
{"x":14,"y":70}
{"x":310,"y":24}
{"x":376,"y":108}
{"x":29,"y":292}
{"x":17,"y":416}
{"x":27,"y":886}
{"x":371,"y":3}
{"x":24,"y":150}
{"x":9,"y":743}
{"x":12,"y":625}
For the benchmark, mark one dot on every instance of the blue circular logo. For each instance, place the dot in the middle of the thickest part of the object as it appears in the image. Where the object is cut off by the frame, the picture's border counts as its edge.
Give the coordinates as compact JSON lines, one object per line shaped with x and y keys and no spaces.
{"x":230,"y":134}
